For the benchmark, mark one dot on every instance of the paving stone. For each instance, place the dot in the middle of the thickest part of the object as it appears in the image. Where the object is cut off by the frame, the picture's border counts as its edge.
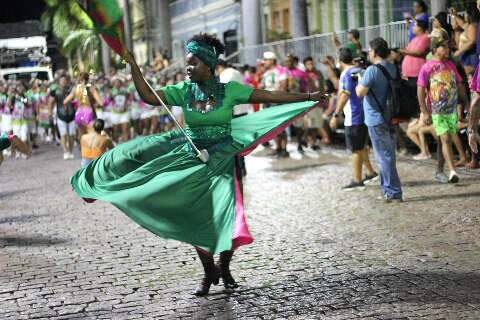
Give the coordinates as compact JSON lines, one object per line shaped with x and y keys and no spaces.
{"x":318,"y":253}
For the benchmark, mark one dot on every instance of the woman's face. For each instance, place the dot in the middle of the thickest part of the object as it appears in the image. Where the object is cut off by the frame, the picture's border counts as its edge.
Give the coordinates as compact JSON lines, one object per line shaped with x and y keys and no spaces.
{"x":436,"y":24}
{"x":196,"y":70}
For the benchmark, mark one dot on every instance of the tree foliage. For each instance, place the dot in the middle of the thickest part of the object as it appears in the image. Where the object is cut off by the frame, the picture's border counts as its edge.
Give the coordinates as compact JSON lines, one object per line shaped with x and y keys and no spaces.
{"x":73,"y":29}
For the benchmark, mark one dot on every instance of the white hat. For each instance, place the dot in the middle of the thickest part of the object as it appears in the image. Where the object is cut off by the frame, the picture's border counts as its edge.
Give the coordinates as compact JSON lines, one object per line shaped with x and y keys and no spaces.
{"x":269,"y":56}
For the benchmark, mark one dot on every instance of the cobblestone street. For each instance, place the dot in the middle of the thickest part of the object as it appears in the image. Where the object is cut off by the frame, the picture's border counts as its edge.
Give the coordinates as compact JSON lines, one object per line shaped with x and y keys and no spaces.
{"x":319,"y":253}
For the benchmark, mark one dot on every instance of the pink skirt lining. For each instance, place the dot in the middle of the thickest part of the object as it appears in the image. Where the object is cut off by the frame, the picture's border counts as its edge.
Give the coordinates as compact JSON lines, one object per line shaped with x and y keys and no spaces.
{"x":241,"y":234}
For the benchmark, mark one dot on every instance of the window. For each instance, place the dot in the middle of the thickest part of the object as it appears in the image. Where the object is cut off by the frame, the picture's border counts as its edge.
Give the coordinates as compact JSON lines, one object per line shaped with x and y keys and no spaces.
{"x":276,"y":21}
{"x":286,"y":20}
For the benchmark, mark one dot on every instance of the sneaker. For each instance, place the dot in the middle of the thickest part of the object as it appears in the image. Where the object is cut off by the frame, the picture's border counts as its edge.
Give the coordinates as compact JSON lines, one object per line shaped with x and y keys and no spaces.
{"x":354,"y":186}
{"x":71,"y":156}
{"x":420,"y":157}
{"x":441,"y":177}
{"x":453,"y":178}
{"x":393,"y":200}
{"x":65,"y":156}
{"x":370,"y":178}
{"x":284,"y":154}
{"x":388,"y":199}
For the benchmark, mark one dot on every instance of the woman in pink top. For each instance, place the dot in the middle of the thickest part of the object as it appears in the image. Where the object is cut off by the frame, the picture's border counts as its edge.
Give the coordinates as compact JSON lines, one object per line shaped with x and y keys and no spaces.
{"x":416,"y":51}
{"x":415,"y":54}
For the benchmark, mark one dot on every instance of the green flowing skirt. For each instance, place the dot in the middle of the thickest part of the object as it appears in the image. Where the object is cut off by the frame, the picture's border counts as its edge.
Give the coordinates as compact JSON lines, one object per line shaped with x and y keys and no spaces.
{"x":160,"y":183}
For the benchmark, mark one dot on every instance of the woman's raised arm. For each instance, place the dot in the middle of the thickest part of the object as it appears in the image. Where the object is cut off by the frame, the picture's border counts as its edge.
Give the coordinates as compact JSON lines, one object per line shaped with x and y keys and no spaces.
{"x":140,"y":83}
{"x":265,"y":96}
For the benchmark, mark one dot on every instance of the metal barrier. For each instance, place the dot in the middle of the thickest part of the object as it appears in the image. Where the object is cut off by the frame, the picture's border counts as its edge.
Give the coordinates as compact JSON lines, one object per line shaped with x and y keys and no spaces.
{"x":322,"y":45}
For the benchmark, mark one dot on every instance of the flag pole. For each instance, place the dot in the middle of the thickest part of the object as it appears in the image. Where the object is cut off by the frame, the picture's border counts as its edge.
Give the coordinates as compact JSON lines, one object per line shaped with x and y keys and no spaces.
{"x":202,"y":154}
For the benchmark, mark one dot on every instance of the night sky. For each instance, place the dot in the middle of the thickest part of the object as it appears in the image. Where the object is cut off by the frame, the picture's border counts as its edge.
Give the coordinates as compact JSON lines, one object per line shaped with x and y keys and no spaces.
{"x":20,"y":10}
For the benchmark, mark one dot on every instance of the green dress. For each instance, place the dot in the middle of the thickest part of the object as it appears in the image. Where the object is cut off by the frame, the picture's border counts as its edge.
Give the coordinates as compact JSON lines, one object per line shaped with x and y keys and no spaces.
{"x":4,"y":142}
{"x":159,"y":182}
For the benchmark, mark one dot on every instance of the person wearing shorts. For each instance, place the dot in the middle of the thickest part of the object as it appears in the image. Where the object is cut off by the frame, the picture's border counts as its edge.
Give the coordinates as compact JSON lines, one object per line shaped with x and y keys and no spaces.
{"x":5,"y":113}
{"x":356,"y":132}
{"x":439,"y":85}
{"x":120,"y":115}
{"x":65,"y":116}
{"x":135,"y":110}
{"x":21,"y":109}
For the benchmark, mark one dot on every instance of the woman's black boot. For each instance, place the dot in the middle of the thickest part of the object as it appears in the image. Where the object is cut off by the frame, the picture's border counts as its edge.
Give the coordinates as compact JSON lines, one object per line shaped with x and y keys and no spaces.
{"x":228,"y":281}
{"x":212,"y":273}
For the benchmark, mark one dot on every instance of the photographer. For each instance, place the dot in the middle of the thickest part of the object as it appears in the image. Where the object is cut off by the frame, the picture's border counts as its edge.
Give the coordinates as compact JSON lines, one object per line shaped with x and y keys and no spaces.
{"x":356,"y":133}
{"x":376,"y":90}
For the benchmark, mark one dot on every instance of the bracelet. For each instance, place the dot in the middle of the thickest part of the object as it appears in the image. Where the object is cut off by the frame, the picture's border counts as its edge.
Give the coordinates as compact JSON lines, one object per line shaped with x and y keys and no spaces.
{"x":470,"y":131}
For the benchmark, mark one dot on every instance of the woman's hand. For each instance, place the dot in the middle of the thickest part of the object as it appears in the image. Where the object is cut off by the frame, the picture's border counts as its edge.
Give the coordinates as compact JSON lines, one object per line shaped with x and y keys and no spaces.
{"x":318,"y":96}
{"x":333,"y":123}
{"x":128,"y":56}
{"x":427,"y":118}
{"x":473,"y":141}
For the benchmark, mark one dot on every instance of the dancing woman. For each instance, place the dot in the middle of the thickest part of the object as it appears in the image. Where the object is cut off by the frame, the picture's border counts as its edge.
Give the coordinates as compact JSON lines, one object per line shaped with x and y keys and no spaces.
{"x":160,"y":183}
{"x":86,"y":96}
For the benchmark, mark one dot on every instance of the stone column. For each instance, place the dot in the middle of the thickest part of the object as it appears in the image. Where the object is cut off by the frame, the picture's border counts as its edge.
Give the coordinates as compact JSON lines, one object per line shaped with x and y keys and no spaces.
{"x":299,"y":27}
{"x":352,"y":15}
{"x":127,"y":21}
{"x":368,"y":18}
{"x":162,"y":25}
{"x":251,"y":22}
{"x":298,"y":18}
{"x":251,"y":29}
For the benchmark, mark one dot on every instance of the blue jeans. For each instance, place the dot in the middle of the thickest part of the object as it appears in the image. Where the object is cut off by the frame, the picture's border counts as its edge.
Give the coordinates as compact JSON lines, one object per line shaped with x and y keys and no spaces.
{"x":384,"y":147}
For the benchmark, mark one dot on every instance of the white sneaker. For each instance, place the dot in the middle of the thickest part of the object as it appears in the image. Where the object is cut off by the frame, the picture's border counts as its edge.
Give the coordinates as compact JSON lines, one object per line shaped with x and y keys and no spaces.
{"x":453,"y":178}
{"x":48,"y":139}
{"x":420,"y":157}
{"x":65,"y":156}
{"x":71,"y":156}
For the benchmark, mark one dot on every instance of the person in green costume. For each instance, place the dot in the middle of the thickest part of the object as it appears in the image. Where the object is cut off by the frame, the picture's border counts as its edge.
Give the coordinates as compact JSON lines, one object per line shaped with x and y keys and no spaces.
{"x":159,"y":182}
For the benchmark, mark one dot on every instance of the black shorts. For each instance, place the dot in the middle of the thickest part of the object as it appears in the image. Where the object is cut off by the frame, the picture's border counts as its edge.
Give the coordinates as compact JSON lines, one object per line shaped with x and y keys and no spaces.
{"x":356,"y":137}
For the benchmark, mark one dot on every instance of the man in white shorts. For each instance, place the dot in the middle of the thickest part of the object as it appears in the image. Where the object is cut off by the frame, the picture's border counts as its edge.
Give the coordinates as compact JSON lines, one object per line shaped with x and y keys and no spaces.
{"x":21,"y":107}
{"x":65,"y":116}
{"x":120,"y":115}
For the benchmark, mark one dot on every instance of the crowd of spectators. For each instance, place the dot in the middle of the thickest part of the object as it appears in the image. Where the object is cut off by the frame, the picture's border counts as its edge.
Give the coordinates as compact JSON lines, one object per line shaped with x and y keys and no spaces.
{"x":437,"y":65}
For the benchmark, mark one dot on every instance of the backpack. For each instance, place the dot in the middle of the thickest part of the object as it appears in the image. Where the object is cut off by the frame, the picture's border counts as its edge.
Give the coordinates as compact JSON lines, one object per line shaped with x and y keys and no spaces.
{"x":65,"y":113}
{"x":402,"y":102}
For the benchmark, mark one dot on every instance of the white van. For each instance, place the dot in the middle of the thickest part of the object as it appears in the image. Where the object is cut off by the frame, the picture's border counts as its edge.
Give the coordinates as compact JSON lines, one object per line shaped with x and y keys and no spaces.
{"x":27,"y":73}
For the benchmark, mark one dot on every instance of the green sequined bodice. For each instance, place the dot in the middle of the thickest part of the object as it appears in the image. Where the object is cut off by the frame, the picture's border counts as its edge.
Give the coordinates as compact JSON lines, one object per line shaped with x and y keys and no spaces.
{"x":211,"y":93}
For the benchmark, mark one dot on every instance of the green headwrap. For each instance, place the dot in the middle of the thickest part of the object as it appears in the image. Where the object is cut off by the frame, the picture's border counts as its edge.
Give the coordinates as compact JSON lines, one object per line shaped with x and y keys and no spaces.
{"x":204,"y":52}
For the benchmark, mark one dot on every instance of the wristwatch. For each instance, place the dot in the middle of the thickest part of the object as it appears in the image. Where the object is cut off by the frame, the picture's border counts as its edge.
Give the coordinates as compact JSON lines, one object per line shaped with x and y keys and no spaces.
{"x":335,"y":114}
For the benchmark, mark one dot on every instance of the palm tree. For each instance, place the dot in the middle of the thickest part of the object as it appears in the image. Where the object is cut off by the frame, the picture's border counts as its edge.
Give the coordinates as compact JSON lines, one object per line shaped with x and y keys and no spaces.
{"x":85,"y":45}
{"x":74,"y":30}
